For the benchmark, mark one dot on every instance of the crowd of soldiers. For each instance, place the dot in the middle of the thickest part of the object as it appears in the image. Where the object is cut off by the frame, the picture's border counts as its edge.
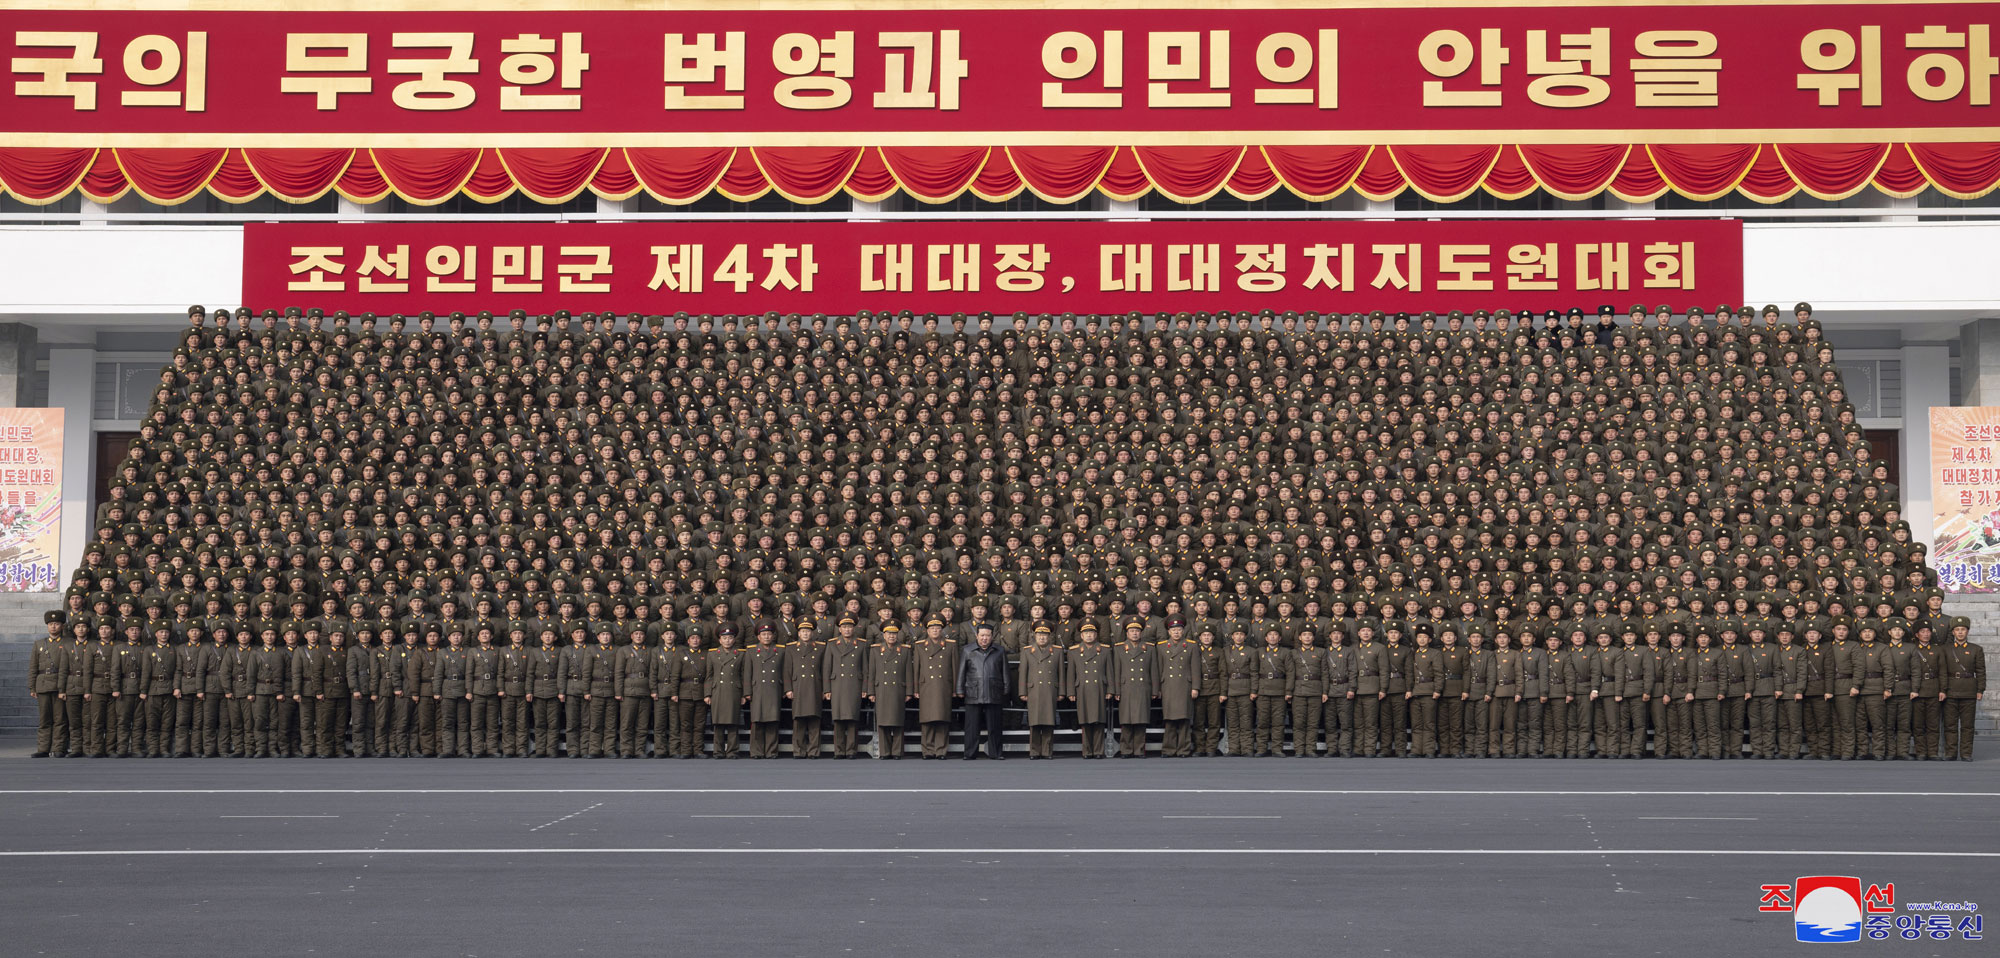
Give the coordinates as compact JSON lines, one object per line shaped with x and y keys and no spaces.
{"x":1374,"y":697}
{"x":1470,"y":534}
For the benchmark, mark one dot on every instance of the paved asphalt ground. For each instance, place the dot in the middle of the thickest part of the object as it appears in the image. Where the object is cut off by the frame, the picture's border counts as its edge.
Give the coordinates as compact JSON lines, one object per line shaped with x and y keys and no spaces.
{"x":1218,"y":857}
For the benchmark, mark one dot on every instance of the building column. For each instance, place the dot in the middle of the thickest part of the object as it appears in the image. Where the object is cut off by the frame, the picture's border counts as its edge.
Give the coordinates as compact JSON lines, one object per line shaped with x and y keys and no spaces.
{"x":17,"y":361}
{"x":1979,"y":362}
{"x":72,"y":381}
{"x":1926,"y":383}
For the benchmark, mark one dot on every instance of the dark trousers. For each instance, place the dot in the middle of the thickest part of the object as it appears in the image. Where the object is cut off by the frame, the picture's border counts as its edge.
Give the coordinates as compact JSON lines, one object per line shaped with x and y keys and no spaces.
{"x":1925,"y":713}
{"x":845,"y":737}
{"x":1093,"y":739}
{"x":547,"y":710}
{"x":1451,"y":726}
{"x":982,"y":718}
{"x":1819,"y":725}
{"x":1339,"y":724}
{"x":693,"y":724}
{"x":1042,"y":741}
{"x":455,"y":735}
{"x":1207,"y":724}
{"x":666,"y":734}
{"x":485,"y":724}
{"x":513,"y":724}
{"x":1396,"y":725}
{"x":573,"y":735}
{"x":332,"y":721}
{"x":805,"y":736}
{"x":1367,"y":723}
{"x":1242,"y":721}
{"x":1270,"y":725}
{"x":50,"y":717}
{"x":1958,"y":728}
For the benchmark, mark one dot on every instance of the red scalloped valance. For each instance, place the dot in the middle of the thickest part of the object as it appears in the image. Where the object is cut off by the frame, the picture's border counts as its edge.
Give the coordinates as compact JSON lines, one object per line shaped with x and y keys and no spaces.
{"x":1766,"y":173}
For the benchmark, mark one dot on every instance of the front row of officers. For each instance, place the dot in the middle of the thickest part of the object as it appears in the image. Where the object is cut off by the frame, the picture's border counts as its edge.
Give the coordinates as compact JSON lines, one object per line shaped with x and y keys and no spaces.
{"x":1873,"y":697}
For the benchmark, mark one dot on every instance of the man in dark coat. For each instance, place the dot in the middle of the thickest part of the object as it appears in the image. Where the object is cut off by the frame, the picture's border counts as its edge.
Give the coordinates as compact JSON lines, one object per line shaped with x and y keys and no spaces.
{"x":984,"y":684}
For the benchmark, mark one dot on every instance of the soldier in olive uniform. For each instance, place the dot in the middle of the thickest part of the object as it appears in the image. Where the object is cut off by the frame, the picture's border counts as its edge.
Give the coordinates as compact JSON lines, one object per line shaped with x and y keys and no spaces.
{"x":1964,"y":686}
{"x":764,"y":687}
{"x":544,"y":699}
{"x":725,"y":695}
{"x":1816,"y":697}
{"x":1086,"y":683}
{"x":1736,"y":677}
{"x":1308,"y":694}
{"x":190,"y":679}
{"x":1339,"y":714}
{"x":1760,"y":667}
{"x":1708,"y":695}
{"x":420,"y":679}
{"x":1395,"y":718}
{"x":1926,"y":695}
{"x":687,"y":674}
{"x":128,"y":694}
{"x":47,"y":667}
{"x":1426,"y":689}
{"x":1133,"y":688}
{"x":1176,"y":657}
{"x":242,"y":694}
{"x":158,"y":668}
{"x":573,"y":678}
{"x":844,"y":669}
{"x":1677,"y":685}
{"x":1846,"y":692}
{"x":331,"y":708}
{"x":454,"y":697}
{"x":1504,"y":712}
{"x":886,"y":683}
{"x":1900,"y":679}
{"x":516,"y":674}
{"x":1040,"y":684}
{"x":934,"y":660}
{"x":484,"y":662}
{"x":362,"y":661}
{"x":805,"y":692}
{"x":268,"y":668}
{"x":1479,"y":680}
{"x":1871,"y":697}
{"x":632,"y":689}
{"x":1240,"y":677}
{"x":1790,"y":697}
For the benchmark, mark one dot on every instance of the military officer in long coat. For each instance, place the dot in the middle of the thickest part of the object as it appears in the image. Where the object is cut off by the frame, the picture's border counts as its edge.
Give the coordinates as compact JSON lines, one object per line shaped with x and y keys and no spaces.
{"x":934,"y":665}
{"x":886,"y":682}
{"x":1040,"y":684}
{"x":1176,"y":660}
{"x":1086,"y":676}
{"x":804,"y":690}
{"x":764,"y":687}
{"x":723,"y":693}
{"x":843,"y":668}
{"x":1133,"y":688}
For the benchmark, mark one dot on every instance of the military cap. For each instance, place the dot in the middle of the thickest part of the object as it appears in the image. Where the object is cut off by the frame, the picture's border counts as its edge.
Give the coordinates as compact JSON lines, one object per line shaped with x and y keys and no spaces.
{"x":1134,"y":624}
{"x":197,"y":311}
{"x":1805,"y":308}
{"x":1044,"y":630}
{"x":1770,"y":309}
{"x":1638,"y":309}
{"x":933,"y":622}
{"x":57,"y":616}
{"x":847,"y":620}
{"x":1606,"y":310}
{"x":1176,"y":623}
{"x":891,"y":630}
{"x":517,"y":314}
{"x":766,"y":628}
{"x":1087,"y":627}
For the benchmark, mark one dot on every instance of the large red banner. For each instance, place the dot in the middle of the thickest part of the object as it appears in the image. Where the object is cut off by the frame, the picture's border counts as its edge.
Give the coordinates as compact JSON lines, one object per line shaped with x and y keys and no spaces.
{"x":1001,"y":266}
{"x":1043,"y":74}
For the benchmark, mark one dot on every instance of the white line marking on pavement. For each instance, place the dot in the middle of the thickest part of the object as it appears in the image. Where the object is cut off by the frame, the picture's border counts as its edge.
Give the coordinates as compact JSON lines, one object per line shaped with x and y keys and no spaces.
{"x":280,"y":816}
{"x":1223,"y":816}
{"x":1691,"y":818}
{"x":749,"y":816}
{"x":565,"y":818}
{"x":979,"y":791}
{"x":1586,"y":852}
